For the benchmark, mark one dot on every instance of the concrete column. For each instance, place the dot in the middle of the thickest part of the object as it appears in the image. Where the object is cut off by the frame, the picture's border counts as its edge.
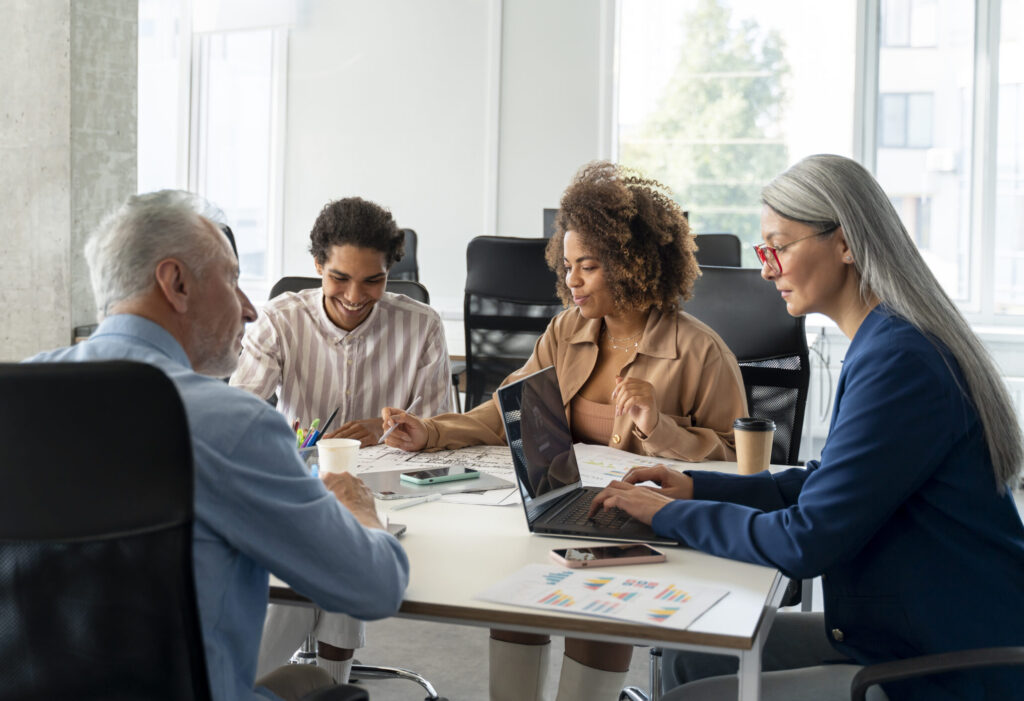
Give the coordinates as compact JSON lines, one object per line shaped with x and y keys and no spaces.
{"x":68,"y":91}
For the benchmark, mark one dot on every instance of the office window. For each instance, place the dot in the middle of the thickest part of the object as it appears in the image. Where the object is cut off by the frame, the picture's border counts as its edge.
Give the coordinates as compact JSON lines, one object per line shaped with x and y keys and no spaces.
{"x":915,"y":212}
{"x":160,"y":133}
{"x":1009,"y":214}
{"x":909,"y":23}
{"x":905,"y":121}
{"x":924,"y":136}
{"x":233,"y":87}
{"x":716,"y":97}
{"x":211,"y":116}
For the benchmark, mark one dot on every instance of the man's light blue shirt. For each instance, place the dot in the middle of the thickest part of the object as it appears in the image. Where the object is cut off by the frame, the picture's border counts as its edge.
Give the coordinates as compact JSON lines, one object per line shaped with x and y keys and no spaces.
{"x":257,"y":509}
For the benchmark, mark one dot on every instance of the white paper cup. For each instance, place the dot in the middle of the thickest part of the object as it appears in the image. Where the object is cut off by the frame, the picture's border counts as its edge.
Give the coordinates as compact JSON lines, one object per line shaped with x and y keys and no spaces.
{"x":337,"y":454}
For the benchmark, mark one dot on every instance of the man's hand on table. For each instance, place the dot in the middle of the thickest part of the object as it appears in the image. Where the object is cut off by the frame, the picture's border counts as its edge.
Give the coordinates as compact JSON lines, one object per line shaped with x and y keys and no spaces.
{"x":366,"y":431}
{"x":355,"y":495}
{"x":642,"y":503}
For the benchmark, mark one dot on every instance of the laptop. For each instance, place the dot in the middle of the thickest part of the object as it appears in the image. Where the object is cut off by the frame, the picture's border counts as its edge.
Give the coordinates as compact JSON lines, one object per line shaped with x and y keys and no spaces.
{"x":554,"y":499}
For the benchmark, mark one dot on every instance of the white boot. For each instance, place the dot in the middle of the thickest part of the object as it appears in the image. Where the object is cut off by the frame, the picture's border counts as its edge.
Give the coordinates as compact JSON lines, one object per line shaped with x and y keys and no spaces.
{"x":581,"y":683}
{"x":518,"y":672}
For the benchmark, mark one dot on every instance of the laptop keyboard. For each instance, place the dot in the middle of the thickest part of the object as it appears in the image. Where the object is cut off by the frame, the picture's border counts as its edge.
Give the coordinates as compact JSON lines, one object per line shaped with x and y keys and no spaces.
{"x":576,"y":515}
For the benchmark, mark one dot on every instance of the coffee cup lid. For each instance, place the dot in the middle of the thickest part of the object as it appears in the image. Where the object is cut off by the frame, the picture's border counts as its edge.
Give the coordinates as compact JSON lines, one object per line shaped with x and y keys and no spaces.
{"x":748,"y":423}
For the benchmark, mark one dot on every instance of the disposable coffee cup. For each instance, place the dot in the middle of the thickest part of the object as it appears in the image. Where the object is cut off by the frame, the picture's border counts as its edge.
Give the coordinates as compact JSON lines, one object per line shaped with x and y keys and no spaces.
{"x":337,"y":454}
{"x":753,"y":444}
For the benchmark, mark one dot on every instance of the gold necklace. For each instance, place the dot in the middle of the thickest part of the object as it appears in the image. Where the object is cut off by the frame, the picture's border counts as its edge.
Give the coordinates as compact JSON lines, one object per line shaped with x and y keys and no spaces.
{"x":625,"y":341}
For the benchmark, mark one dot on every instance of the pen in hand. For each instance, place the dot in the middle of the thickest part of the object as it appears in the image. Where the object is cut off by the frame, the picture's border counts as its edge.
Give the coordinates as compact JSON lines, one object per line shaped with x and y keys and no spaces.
{"x":412,"y":407}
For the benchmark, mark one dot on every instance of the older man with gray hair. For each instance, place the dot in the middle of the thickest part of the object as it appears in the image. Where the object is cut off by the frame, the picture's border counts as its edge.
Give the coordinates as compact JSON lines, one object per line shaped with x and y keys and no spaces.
{"x":166,"y":284}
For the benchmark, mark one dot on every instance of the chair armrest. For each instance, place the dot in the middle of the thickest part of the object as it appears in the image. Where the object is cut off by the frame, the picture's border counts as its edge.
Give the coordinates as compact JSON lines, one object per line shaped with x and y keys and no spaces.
{"x":342,"y":692}
{"x":933,"y":664}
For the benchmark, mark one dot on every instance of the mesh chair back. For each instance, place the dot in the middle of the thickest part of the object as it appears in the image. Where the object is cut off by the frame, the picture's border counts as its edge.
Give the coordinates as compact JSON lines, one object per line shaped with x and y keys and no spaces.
{"x":510,"y":298}
{"x":770,"y":345}
{"x":96,"y":586}
{"x":719,"y":249}
{"x":407,"y":268}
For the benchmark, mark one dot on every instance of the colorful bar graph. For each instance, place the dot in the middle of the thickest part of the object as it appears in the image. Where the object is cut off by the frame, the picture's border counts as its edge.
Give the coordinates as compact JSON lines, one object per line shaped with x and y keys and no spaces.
{"x":595,"y":583}
{"x":623,"y":595}
{"x":670,"y":593}
{"x":600,"y":607}
{"x":554,"y":578}
{"x":557,"y":598}
{"x":660,"y":615}
{"x":640,"y":583}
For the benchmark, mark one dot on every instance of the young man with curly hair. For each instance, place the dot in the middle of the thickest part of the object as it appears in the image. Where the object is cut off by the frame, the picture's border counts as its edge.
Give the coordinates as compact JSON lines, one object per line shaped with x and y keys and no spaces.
{"x":350,"y":345}
{"x":636,"y":373}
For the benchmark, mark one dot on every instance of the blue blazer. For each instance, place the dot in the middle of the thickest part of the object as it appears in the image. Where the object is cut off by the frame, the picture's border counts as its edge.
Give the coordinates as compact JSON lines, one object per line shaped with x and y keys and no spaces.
{"x":918,"y":550}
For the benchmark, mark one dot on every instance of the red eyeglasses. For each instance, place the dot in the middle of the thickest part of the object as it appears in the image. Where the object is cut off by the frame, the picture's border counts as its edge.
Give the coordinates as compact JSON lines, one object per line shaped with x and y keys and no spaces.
{"x":769,"y":255}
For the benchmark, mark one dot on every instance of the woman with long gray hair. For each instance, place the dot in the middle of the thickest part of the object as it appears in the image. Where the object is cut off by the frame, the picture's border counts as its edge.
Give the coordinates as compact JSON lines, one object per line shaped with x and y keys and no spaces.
{"x":908,"y":516}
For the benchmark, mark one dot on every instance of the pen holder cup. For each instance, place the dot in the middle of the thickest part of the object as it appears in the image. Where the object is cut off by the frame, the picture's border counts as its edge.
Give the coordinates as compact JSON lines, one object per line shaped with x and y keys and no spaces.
{"x":309,"y":457}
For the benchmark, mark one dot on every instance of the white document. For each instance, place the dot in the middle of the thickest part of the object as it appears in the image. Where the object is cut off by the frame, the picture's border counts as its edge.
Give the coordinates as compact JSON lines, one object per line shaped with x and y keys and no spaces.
{"x":667,"y":602}
{"x":490,"y":459}
{"x":600,"y":464}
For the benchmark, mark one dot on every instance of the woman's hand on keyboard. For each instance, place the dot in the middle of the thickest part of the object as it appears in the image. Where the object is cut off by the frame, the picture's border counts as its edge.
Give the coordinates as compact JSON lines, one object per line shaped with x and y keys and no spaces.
{"x":676,"y":485}
{"x":639,"y":502}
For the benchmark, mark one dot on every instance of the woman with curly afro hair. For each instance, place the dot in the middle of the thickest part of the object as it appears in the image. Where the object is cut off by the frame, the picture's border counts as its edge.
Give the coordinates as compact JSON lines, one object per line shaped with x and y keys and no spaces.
{"x":636,"y":374}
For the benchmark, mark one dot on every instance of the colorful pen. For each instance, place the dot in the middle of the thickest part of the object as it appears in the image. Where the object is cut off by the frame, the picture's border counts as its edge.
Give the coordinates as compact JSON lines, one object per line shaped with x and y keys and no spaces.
{"x":327,"y":424}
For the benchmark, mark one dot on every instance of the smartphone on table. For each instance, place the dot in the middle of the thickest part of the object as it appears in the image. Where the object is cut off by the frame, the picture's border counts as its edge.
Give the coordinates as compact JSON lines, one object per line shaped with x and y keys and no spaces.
{"x":441,"y":474}
{"x":607,"y":555}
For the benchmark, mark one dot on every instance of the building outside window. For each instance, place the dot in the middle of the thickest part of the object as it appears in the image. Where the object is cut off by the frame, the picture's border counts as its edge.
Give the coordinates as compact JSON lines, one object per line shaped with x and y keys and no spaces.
{"x":910,"y":23}
{"x":925,"y":129}
{"x":905,"y":120}
{"x":1009,"y":199}
{"x":715,"y":98}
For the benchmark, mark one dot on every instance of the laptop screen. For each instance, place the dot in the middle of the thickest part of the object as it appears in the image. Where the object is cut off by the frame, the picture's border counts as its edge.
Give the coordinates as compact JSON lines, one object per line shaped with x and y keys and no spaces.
{"x":539,"y":437}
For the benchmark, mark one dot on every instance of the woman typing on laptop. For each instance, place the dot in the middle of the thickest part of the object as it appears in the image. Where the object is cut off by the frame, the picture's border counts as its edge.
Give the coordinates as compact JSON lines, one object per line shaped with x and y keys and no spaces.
{"x":908,"y":516}
{"x":635,"y":373}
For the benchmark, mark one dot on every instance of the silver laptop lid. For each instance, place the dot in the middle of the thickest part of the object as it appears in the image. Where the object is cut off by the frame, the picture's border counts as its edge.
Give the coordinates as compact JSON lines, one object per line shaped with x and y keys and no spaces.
{"x":540,"y":440}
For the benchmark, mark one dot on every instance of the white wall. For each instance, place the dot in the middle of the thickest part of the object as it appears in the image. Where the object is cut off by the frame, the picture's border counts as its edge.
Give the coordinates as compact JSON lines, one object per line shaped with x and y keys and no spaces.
{"x":555,"y":103}
{"x":464,"y":117}
{"x":390,"y":101}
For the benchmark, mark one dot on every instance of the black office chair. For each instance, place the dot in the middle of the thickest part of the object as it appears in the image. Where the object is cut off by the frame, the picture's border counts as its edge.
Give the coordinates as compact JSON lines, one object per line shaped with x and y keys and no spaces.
{"x":926,"y":665}
{"x":409,"y":288}
{"x":294,"y":284}
{"x":413,"y":290}
{"x":769,"y":344}
{"x":510,"y":298}
{"x":96,"y":591}
{"x":407,"y":268}
{"x":719,"y":249}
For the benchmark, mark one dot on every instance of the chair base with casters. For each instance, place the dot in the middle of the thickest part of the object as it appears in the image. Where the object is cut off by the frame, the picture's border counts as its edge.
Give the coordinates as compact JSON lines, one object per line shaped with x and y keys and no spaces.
{"x":307,"y":655}
{"x":632,"y":693}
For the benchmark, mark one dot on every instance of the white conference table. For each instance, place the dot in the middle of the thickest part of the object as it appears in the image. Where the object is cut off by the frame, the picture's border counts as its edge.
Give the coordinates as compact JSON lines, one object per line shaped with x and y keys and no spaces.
{"x":457,"y":551}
